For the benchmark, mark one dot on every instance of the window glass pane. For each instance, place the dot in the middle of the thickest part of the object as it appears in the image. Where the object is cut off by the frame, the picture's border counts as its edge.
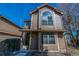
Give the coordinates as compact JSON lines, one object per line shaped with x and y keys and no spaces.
{"x":48,"y":17}
{"x":45,"y":18}
{"x":46,"y":13}
{"x":51,"y":35}
{"x":50,"y":21}
{"x":44,"y":36}
{"x":51,"y":39}
{"x":48,"y":38}
{"x":45,"y":39}
{"x":44,"y":22}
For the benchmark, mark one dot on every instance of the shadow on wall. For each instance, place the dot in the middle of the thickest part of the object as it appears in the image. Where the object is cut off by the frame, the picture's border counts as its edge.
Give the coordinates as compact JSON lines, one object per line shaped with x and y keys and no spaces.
{"x":9,"y":45}
{"x":45,"y":53}
{"x":3,"y":47}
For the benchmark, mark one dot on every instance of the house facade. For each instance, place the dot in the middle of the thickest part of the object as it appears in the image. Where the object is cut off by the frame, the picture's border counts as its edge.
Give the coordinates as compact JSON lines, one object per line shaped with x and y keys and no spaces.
{"x":46,"y":30}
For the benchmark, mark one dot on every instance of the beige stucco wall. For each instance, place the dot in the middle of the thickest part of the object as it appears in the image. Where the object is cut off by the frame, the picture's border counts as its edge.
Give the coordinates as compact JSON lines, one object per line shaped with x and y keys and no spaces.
{"x":33,"y":41}
{"x":45,"y":27}
{"x":61,"y":42}
{"x":36,"y":43}
{"x":57,"y":20}
{"x":53,"y":47}
{"x":34,"y":18}
{"x":59,"y":45}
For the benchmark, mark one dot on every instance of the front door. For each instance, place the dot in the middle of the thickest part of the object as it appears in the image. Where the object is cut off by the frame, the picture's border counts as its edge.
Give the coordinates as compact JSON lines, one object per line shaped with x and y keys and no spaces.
{"x":49,"y":42}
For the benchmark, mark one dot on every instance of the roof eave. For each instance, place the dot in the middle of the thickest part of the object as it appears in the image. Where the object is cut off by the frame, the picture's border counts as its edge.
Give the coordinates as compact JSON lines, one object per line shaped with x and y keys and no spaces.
{"x":10,"y":22}
{"x":30,"y":30}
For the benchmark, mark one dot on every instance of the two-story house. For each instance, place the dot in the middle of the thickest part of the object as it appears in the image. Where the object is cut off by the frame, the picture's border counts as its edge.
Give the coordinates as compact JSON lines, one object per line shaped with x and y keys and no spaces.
{"x":46,"y":30}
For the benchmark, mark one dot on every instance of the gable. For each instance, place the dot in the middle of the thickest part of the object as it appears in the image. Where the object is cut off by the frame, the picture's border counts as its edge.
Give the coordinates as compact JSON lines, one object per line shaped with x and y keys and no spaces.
{"x":49,"y":7}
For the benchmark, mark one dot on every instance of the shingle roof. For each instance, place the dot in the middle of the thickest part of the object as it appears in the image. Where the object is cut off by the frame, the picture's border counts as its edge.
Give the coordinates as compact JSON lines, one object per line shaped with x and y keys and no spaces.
{"x":5,"y":19}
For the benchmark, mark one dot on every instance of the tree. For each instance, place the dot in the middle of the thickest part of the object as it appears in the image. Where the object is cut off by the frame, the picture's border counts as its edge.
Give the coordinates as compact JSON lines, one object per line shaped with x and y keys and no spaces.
{"x":71,"y":20}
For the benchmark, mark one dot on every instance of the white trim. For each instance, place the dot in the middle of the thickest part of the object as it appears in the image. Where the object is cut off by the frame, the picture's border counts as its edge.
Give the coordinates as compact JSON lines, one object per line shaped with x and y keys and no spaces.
{"x":53,"y":51}
{"x":48,"y":44}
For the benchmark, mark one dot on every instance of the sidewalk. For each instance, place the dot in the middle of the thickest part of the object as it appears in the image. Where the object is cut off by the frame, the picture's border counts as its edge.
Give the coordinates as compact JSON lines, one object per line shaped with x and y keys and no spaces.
{"x":74,"y":52}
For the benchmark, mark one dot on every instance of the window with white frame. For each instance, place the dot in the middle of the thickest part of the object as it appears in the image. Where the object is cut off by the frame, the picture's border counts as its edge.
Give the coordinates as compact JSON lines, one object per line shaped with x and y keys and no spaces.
{"x":49,"y":38}
{"x":47,"y":18}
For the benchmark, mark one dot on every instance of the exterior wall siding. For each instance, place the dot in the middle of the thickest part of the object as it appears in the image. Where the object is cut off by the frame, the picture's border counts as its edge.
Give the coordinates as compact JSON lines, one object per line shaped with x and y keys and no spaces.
{"x":34,"y":19}
{"x":57,"y":22}
{"x":49,"y":47}
{"x":44,"y":27}
{"x":62,"y":46}
{"x":34,"y":38}
{"x":34,"y":41}
{"x":52,"y":47}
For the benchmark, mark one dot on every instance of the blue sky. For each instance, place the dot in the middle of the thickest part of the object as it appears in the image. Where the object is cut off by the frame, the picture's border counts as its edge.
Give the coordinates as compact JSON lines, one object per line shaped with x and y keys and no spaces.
{"x":18,"y":12}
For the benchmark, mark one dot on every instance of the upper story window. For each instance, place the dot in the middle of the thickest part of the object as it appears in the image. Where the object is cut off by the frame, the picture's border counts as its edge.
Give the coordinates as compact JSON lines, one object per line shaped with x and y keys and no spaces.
{"x":47,"y":18}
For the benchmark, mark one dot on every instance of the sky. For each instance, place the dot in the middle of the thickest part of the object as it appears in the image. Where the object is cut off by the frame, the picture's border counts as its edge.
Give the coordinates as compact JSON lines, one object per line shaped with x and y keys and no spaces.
{"x":18,"y":12}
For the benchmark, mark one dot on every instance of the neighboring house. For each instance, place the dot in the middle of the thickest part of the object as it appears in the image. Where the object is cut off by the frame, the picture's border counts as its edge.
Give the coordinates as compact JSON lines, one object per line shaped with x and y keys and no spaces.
{"x":46,"y":30}
{"x":8,"y":32}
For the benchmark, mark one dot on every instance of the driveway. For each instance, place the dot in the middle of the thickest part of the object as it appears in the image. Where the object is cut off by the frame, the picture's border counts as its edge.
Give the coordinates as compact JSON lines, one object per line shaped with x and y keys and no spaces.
{"x":36,"y":53}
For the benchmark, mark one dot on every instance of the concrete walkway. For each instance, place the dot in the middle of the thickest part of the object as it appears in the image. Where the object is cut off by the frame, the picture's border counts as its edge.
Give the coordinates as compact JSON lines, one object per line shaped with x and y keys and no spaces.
{"x":74,"y":52}
{"x":47,"y":54}
{"x":70,"y":52}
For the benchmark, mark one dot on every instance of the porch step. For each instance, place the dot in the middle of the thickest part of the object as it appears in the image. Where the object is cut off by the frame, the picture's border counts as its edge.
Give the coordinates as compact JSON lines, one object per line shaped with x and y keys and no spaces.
{"x":53,"y":54}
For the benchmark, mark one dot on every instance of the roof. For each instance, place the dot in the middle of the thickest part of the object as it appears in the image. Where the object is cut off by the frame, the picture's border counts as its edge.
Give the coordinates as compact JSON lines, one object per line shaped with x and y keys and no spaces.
{"x":5,"y":19}
{"x":7,"y":30}
{"x":47,"y":5}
